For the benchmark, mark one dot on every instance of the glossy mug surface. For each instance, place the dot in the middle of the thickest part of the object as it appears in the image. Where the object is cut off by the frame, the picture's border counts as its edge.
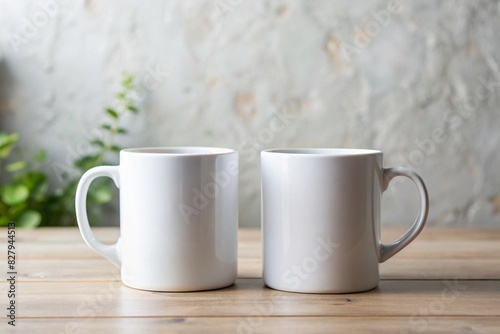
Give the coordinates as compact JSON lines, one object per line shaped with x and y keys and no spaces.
{"x":321,"y":218}
{"x":178,"y":217}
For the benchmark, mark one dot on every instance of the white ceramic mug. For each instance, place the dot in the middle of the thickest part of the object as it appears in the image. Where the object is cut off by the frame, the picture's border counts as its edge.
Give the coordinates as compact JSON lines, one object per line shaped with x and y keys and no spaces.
{"x":178,"y":217}
{"x":321,"y":218}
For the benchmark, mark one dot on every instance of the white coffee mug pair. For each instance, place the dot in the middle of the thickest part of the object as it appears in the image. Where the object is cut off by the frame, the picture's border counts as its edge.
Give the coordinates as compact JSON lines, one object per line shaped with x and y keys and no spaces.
{"x":179,"y":218}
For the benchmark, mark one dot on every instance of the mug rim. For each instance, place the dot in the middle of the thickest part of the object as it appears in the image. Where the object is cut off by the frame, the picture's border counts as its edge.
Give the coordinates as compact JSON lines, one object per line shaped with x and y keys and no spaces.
{"x":179,"y":151}
{"x":322,"y":152}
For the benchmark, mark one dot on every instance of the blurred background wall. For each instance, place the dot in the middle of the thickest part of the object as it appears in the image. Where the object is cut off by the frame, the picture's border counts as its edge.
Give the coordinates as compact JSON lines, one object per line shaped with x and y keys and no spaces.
{"x":419,"y":80}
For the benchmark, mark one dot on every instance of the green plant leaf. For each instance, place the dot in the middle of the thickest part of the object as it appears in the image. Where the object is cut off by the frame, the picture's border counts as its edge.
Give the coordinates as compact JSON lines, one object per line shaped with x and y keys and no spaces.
{"x":15,"y":194}
{"x":115,"y":148}
{"x":32,"y":179}
{"x":128,"y":81}
{"x":41,"y":156}
{"x":97,"y":142}
{"x":101,"y":193}
{"x":121,"y":131}
{"x":29,"y":219}
{"x":40,"y":191}
{"x":112,"y":113}
{"x":132,"y":108}
{"x":4,"y":221}
{"x":16,"y":166}
{"x":16,"y":210}
{"x":113,"y":129}
{"x":8,"y":139}
{"x":107,"y":127}
{"x":37,"y":184}
{"x":87,"y":162}
{"x":7,"y":143}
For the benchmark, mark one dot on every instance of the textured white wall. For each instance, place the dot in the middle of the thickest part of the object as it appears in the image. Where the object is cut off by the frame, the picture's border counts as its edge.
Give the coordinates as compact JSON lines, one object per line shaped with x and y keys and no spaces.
{"x":420,"y":82}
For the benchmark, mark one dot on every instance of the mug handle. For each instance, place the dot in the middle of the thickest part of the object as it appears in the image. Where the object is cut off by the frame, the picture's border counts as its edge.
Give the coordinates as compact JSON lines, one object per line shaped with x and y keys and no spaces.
{"x":110,"y":252}
{"x":386,"y":251}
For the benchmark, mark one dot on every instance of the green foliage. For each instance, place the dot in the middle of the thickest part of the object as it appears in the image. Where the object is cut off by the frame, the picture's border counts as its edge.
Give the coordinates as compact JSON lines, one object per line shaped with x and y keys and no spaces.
{"x":25,"y":196}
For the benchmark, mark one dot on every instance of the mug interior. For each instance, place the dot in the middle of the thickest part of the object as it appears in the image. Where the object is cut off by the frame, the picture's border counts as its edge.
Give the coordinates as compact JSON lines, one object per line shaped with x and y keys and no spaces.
{"x":323,"y":151}
{"x":195,"y":150}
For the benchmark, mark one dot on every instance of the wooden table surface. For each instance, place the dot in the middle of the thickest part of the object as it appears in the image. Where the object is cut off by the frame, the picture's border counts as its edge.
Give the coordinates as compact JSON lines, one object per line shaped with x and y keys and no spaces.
{"x":447,"y":280}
